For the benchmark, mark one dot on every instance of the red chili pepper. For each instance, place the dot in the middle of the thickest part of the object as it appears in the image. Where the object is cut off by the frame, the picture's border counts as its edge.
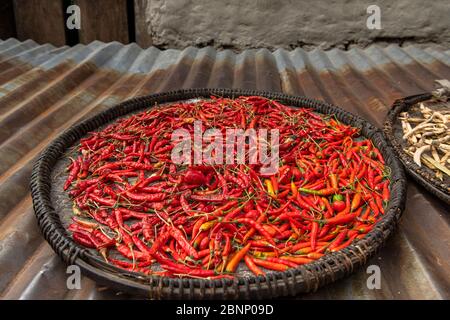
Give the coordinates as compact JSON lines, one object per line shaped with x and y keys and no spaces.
{"x":146,"y":197}
{"x":258,"y":228}
{"x":374,"y":207}
{"x":339,"y":239}
{"x":184,"y":244}
{"x":131,"y":254}
{"x":345,"y":244}
{"x":322,"y":192}
{"x":363,"y":228}
{"x":102,"y":201}
{"x":378,"y":155}
{"x":270,"y":265}
{"x":281,"y":260}
{"x":362,"y":172}
{"x":227,"y":247}
{"x":84,"y":241}
{"x":160,"y":240}
{"x":300,"y":201}
{"x":343,"y":219}
{"x":386,"y":192}
{"x":81,"y":186}
{"x":313,"y":237}
{"x":209,"y":198}
{"x":366,"y":213}
{"x":180,"y":269}
{"x":379,"y":203}
{"x":73,"y":173}
{"x":253,"y":267}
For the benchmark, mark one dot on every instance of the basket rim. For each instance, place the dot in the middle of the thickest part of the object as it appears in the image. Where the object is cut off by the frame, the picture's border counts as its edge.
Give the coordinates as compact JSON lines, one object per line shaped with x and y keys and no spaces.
{"x":421,"y":174}
{"x":305,"y":278}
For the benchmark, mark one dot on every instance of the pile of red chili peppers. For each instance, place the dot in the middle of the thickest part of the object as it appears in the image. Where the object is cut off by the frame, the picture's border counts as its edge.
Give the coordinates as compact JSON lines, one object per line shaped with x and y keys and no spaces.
{"x":144,"y":213}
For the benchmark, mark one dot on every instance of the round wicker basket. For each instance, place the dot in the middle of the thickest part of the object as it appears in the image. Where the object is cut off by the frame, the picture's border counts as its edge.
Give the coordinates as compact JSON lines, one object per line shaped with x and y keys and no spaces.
{"x":392,"y":129}
{"x":305,"y":278}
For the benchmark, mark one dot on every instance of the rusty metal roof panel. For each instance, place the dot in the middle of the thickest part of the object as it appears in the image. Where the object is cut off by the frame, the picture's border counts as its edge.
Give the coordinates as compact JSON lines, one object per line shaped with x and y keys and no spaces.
{"x":44,"y":90}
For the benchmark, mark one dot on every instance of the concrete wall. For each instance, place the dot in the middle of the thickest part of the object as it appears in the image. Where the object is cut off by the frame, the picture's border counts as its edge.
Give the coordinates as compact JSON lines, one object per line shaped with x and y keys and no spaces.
{"x":288,"y":23}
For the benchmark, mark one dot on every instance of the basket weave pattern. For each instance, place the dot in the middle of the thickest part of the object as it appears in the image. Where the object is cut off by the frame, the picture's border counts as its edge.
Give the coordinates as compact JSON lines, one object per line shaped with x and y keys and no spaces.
{"x":305,"y":278}
{"x":422,"y":175}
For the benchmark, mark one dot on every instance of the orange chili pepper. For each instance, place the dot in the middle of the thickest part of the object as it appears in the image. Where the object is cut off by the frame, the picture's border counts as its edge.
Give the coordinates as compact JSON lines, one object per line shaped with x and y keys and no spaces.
{"x":298,"y":259}
{"x":271,"y":265}
{"x":270,"y":189}
{"x":356,"y":202}
{"x":315,"y":255}
{"x":334,"y":181}
{"x":207,"y":225}
{"x":294,"y":189}
{"x":252,"y":266}
{"x":234,"y":262}
{"x":274,"y":181}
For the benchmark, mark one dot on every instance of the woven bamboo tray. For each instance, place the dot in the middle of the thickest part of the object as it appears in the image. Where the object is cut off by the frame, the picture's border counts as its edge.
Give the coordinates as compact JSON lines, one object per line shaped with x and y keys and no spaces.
{"x":305,"y":278}
{"x":393,"y":131}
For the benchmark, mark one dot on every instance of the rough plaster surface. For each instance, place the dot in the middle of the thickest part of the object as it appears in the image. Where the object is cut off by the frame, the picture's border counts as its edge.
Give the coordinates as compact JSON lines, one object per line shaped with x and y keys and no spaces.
{"x":287,"y":24}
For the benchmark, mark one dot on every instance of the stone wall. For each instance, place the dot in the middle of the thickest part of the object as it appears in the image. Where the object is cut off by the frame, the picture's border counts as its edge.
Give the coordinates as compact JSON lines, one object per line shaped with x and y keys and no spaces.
{"x":272,"y":24}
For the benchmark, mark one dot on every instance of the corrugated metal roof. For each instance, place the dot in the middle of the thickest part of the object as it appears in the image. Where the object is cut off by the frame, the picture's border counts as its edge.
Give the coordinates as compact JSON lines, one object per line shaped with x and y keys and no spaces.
{"x":44,"y":90}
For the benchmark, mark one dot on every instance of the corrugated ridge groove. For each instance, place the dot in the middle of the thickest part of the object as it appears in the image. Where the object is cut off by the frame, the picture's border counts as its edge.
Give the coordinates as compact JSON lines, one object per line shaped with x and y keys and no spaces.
{"x":44,"y":90}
